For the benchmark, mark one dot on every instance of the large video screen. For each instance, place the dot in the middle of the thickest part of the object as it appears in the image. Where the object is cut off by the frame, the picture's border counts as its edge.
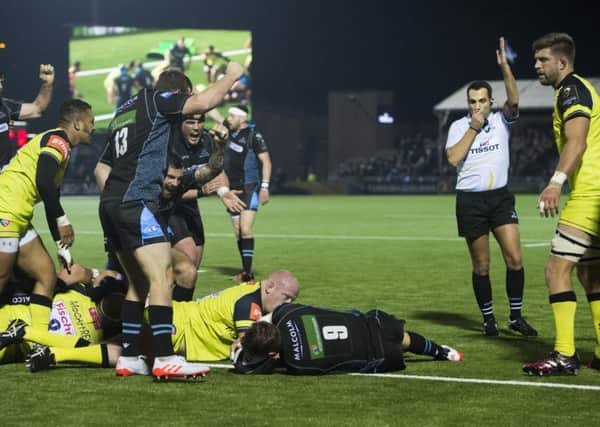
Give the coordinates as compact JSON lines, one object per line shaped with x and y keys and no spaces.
{"x":101,"y":58}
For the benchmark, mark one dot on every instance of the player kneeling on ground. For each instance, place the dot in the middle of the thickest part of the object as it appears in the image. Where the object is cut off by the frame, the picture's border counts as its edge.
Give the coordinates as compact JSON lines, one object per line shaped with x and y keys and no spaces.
{"x":308,"y":340}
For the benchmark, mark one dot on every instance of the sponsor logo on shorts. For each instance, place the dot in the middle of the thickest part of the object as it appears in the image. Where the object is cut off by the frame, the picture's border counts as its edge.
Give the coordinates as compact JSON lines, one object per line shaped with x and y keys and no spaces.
{"x":513,"y":215}
{"x":3,"y":127}
{"x":4,"y":222}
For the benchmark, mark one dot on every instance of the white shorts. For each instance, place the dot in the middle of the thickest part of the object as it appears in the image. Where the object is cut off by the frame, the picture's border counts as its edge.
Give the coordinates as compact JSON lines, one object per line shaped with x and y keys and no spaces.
{"x":11,"y":245}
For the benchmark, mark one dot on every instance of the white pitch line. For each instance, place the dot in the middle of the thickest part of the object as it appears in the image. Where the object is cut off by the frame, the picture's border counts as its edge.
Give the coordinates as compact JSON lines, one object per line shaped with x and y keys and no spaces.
{"x":200,"y":57}
{"x":456,"y":380}
{"x":535,"y":245}
{"x":329,"y":237}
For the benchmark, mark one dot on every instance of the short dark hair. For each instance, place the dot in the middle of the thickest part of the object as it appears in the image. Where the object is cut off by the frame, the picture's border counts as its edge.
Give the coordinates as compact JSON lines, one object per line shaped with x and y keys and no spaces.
{"x":560,"y":43}
{"x":174,"y":160}
{"x":71,"y":109}
{"x":191,"y":116}
{"x":173,"y":80}
{"x":261,"y":339}
{"x":480,"y":84}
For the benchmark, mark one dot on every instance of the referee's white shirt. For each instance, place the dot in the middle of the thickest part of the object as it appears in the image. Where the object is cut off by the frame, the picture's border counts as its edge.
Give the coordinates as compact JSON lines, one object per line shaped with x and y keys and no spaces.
{"x":486,"y":165}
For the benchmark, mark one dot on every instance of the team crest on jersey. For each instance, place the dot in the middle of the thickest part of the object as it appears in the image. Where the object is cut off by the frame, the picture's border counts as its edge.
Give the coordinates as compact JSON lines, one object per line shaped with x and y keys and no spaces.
{"x":569,"y":96}
{"x":236,"y":147}
{"x":4,"y":222}
{"x":255,"y":311}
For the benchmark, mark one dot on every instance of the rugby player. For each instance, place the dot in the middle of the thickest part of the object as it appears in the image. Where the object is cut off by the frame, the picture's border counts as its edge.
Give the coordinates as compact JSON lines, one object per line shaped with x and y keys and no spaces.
{"x":248,"y":168}
{"x":85,"y":310}
{"x":129,"y":212}
{"x":576,"y":243}
{"x":15,"y":110}
{"x":308,"y":340}
{"x":35,"y":174}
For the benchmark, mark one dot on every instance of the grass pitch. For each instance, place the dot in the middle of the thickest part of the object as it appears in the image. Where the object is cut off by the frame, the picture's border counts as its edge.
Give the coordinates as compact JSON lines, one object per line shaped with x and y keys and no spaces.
{"x":397,"y":253}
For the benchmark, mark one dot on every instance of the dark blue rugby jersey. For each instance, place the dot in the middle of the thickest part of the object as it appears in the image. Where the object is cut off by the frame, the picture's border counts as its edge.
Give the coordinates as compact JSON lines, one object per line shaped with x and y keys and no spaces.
{"x":138,"y":145}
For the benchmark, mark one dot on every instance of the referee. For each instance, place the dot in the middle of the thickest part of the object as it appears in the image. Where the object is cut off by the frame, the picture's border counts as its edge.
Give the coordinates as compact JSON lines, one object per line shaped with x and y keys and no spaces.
{"x":478,"y":147}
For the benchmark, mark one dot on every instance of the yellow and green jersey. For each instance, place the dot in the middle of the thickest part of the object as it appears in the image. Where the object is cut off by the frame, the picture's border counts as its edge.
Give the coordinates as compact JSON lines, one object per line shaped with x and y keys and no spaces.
{"x":576,"y":97}
{"x":206,"y":328}
{"x":18,"y":189}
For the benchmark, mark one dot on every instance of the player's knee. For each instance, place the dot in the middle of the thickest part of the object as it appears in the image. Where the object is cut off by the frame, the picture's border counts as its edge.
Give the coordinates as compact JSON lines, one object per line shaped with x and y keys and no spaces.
{"x":513,"y":262}
{"x":185,"y":273}
{"x":481,"y":267}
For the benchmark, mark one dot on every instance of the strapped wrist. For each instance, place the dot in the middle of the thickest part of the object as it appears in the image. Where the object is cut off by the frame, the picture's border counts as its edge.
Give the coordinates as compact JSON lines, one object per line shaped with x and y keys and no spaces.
{"x":558,"y":178}
{"x":475,"y":129}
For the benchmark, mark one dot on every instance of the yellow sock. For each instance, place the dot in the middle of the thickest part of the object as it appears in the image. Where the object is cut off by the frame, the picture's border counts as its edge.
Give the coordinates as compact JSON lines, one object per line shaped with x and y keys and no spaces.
{"x":92,"y":354}
{"x":595,"y":308}
{"x":40,"y":315}
{"x":41,"y":336}
{"x":564,"y":323}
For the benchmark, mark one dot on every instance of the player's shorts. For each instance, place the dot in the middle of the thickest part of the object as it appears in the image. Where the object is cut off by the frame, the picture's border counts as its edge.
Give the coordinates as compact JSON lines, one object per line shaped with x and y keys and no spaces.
{"x":582,"y":213}
{"x":478,"y":212}
{"x":130,"y":225}
{"x":387,"y":333}
{"x":249,"y":196}
{"x":183,"y":223}
{"x":10,"y":244}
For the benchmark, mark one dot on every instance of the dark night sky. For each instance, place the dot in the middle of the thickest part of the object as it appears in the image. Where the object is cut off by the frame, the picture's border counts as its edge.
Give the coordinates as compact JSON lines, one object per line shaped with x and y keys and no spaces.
{"x":302,"y":49}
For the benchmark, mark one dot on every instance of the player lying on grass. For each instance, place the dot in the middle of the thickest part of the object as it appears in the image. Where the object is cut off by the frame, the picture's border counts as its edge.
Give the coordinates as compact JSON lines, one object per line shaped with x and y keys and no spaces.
{"x":205,"y":330}
{"x":307,"y":340}
{"x":83,"y":313}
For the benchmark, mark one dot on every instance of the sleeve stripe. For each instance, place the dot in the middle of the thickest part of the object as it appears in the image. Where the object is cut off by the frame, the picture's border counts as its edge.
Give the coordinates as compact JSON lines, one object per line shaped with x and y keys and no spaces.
{"x":577,"y":111}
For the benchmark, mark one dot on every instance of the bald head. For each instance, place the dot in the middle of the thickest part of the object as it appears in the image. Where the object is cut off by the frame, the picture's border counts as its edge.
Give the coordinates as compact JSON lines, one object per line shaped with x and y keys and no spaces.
{"x":280,"y":287}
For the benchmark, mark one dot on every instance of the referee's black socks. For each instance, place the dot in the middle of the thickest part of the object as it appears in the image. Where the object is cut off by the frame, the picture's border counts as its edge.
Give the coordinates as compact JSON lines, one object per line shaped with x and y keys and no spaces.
{"x":483,"y":293}
{"x":515,"y":281}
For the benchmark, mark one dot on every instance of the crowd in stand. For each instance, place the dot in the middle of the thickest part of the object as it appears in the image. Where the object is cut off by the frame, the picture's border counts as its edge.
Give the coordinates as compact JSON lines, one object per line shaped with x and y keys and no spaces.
{"x":532,"y":153}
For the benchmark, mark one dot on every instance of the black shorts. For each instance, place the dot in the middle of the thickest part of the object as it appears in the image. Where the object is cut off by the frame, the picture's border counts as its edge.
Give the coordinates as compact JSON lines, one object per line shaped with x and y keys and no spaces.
{"x":387,"y":333}
{"x":249,"y":196}
{"x":129,"y":225}
{"x":186,"y":223}
{"x":478,"y":212}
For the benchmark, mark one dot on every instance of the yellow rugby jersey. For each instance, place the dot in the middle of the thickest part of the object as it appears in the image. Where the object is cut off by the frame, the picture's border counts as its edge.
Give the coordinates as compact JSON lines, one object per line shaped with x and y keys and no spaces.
{"x":206,"y":328}
{"x":18,"y":189}
{"x":576,"y":97}
{"x":74,"y":313}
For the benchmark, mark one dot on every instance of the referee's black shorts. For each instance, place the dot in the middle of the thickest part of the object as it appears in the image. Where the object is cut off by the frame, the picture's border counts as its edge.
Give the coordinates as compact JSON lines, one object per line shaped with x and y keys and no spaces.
{"x":478,"y":212}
